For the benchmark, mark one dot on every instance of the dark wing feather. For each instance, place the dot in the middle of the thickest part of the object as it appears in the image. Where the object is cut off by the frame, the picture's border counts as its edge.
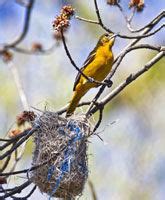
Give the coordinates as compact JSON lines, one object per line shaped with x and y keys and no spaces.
{"x":89,"y":59}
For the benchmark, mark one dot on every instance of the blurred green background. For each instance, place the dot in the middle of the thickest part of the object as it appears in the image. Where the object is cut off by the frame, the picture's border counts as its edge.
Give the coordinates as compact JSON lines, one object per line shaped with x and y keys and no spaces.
{"x":130,"y":163}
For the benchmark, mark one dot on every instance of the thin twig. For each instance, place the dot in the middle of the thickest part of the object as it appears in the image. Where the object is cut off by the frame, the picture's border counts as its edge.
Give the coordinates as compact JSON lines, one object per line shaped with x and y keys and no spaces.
{"x":27,"y":196}
{"x":141,"y":36}
{"x":87,"y":20}
{"x":98,"y":12}
{"x":18,"y":156}
{"x":129,"y":49}
{"x":70,"y":57}
{"x":37,"y":53}
{"x":93,"y":191}
{"x":25,"y":27}
{"x":99,"y":18}
{"x":20,"y":89}
{"x":122,"y":35}
{"x":4,"y":140}
{"x":5,"y":164}
{"x":128,"y":20}
{"x":149,"y":25}
{"x":99,"y":121}
{"x":10,"y":151}
{"x":17,"y":189}
{"x":10,"y":141}
{"x":93,"y":102}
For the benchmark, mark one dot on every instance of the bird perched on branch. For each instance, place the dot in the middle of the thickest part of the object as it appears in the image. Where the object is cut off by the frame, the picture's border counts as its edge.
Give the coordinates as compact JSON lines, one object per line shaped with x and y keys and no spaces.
{"x":97,"y":66}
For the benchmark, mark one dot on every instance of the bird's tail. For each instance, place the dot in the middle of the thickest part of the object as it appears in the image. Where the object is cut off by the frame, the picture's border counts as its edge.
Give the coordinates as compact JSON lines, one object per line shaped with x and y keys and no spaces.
{"x":74,"y":102}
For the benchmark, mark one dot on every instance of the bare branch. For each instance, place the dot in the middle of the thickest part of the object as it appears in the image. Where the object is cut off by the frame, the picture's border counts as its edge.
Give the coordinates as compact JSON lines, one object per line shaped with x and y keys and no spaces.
{"x":99,"y":18}
{"x":141,"y":36}
{"x":17,"y":81}
{"x":122,"y":55}
{"x":70,"y":57}
{"x":37,"y":53}
{"x":17,"y":189}
{"x":27,"y":196}
{"x":10,"y":151}
{"x":25,"y":27}
{"x":129,"y":80}
{"x":18,"y":155}
{"x":14,"y":139}
{"x":128,"y":20}
{"x":5,"y":164}
{"x":144,"y":35}
{"x":87,"y":20}
{"x":99,"y":121}
{"x":93,"y":192}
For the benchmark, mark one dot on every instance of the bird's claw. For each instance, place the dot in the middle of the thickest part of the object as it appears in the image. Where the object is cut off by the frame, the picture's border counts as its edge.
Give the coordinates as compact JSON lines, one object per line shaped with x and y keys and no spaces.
{"x":108,"y":83}
{"x":90,"y":79}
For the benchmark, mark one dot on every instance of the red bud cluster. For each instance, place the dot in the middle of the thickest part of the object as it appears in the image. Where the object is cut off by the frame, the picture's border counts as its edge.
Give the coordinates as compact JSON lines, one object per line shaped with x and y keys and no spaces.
{"x":61,"y":22}
{"x":7,"y":56}
{"x":37,"y":46}
{"x":113,"y":2}
{"x":25,"y":116}
{"x":139,"y":4}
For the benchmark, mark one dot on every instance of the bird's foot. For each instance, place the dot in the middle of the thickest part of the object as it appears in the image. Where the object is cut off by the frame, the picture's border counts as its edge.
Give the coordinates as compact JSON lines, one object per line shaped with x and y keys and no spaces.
{"x":90,"y":79}
{"x":108,"y":83}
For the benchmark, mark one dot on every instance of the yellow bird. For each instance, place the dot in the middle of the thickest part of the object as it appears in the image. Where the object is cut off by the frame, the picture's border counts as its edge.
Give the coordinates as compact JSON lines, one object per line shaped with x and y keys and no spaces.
{"x":97,"y":66}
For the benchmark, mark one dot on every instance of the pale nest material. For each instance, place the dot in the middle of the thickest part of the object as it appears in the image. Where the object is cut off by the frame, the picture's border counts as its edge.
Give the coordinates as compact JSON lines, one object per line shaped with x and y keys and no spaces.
{"x":62,"y":144}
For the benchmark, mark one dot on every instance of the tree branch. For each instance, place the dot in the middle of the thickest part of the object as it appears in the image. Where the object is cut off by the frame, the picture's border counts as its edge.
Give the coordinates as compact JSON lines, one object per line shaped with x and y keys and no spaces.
{"x":10,"y":151}
{"x":17,"y":81}
{"x":93,"y":192}
{"x":129,"y":80}
{"x":17,"y":189}
{"x":144,"y":35}
{"x":25,"y":27}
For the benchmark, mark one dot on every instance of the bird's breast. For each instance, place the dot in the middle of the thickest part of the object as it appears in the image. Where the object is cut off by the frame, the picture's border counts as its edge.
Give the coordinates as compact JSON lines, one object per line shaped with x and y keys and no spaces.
{"x":99,"y":68}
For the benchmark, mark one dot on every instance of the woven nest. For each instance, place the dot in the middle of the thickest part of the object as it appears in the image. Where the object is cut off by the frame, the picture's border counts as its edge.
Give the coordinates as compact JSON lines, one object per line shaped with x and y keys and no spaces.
{"x":61,"y":153}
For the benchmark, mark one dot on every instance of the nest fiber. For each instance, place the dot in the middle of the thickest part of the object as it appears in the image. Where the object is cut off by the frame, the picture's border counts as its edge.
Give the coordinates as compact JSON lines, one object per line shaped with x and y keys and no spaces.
{"x":60,"y":153}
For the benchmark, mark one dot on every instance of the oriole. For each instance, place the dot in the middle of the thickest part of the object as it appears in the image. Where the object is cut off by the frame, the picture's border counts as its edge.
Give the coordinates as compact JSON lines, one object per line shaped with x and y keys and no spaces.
{"x":97,"y":66}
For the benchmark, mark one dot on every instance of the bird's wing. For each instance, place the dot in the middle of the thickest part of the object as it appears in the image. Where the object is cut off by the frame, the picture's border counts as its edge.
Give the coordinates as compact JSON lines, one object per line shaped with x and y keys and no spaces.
{"x":89,"y":59}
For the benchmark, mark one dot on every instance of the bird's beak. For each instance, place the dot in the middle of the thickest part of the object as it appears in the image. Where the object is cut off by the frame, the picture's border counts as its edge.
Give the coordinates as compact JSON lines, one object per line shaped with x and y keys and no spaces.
{"x":112,"y":36}
{"x":112,"y":39}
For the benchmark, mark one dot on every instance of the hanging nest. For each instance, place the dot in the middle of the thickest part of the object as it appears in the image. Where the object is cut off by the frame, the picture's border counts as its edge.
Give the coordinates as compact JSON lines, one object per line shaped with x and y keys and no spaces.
{"x":61,"y":154}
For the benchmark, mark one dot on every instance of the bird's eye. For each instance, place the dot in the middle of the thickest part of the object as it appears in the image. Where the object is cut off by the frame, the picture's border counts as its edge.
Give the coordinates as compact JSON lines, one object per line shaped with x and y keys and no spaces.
{"x":106,"y":35}
{"x":105,"y":38}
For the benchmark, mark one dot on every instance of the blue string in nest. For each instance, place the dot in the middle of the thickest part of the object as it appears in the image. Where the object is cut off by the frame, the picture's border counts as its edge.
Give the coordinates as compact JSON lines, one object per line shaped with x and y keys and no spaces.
{"x":69,"y":155}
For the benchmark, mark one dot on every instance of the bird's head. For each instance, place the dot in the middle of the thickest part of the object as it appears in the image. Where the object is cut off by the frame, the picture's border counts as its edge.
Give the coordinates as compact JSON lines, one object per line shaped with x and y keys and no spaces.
{"x":107,"y":39}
